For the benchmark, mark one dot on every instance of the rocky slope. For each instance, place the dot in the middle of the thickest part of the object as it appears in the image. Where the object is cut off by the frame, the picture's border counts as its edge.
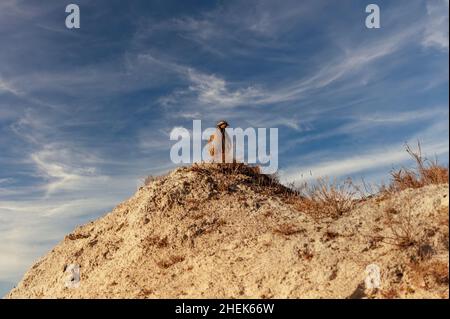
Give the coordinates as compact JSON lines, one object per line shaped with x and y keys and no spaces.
{"x":198,"y":232}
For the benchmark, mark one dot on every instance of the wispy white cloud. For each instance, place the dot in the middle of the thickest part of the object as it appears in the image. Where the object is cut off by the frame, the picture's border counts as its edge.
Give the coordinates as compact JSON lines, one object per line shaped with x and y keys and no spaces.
{"x":386,"y":118}
{"x":8,"y":87}
{"x":436,"y":29}
{"x":65,"y":170}
{"x":31,"y":227}
{"x":354,"y":60}
{"x":351,"y":66}
{"x":210,"y":90}
{"x":375,"y":121}
{"x":67,"y":190}
{"x":234,"y":28}
{"x":368,"y":160}
{"x":213,"y":91}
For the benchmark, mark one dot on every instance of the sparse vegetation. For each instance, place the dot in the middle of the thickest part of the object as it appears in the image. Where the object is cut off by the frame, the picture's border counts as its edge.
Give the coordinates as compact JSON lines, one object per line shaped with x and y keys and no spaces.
{"x":150,"y":179}
{"x":231,"y":220}
{"x":250,"y":173}
{"x":330,"y":198}
{"x":401,"y":229}
{"x":426,"y":267}
{"x":424,"y":173}
{"x":325,"y":198}
{"x":430,"y":273}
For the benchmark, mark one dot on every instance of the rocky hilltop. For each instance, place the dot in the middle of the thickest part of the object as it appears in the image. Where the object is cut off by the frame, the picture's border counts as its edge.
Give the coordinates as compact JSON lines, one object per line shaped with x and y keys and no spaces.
{"x":203,"y":231}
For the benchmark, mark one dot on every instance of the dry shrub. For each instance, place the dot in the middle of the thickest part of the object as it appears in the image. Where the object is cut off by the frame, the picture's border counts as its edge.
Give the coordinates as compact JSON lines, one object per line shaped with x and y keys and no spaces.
{"x":424,"y":173}
{"x":406,"y":235}
{"x":427,"y":268}
{"x":150,"y":179}
{"x":439,"y":271}
{"x":431,"y":273}
{"x":227,"y":168}
{"x":402,"y":235}
{"x":325,"y":198}
{"x":401,"y":228}
{"x":226,"y":175}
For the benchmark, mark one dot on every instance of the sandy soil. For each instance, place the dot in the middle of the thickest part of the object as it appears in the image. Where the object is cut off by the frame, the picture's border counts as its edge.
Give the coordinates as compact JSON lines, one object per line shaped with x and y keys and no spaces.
{"x":196,"y":233}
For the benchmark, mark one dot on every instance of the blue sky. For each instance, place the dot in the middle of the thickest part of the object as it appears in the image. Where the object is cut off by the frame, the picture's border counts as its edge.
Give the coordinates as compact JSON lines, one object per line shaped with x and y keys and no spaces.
{"x":85,"y":114}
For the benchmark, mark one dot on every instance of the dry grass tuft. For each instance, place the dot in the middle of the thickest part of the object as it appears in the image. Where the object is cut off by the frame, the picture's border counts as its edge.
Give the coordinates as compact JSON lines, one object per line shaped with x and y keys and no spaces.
{"x":150,"y":179}
{"x":325,"y":198}
{"x":227,"y":168}
{"x":425,"y":172}
{"x":401,"y":228}
{"x":332,"y":199}
{"x":430,"y":274}
{"x":227,"y":174}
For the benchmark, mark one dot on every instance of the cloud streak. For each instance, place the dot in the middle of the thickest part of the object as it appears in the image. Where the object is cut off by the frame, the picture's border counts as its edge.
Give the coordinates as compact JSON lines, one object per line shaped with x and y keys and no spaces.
{"x":436,"y":30}
{"x":376,"y":158}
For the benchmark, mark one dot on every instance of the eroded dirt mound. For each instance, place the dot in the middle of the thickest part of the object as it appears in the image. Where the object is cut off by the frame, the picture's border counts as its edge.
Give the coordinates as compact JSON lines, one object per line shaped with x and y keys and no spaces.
{"x":202,"y":232}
